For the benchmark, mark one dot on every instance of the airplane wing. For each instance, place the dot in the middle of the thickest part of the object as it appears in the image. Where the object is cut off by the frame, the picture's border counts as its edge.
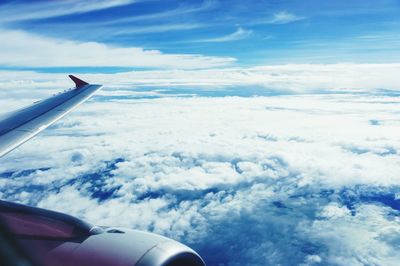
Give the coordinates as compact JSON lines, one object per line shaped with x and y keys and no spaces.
{"x":19,"y":126}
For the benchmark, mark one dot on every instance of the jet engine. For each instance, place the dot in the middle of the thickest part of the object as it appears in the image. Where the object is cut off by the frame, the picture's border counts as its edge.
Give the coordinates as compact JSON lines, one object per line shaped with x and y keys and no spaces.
{"x":52,"y":238}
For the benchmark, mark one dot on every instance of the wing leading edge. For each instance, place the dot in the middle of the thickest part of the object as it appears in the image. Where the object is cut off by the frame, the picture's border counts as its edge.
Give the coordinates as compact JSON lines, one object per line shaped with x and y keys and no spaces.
{"x":21,"y":125}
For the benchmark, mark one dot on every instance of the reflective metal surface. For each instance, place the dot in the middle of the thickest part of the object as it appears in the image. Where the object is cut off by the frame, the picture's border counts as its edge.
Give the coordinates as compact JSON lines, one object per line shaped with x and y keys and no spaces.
{"x":19,"y":126}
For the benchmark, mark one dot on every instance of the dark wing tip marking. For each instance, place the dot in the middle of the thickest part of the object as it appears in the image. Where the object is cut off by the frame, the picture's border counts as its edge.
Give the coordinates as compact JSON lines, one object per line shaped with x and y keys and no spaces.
{"x":78,"y":82}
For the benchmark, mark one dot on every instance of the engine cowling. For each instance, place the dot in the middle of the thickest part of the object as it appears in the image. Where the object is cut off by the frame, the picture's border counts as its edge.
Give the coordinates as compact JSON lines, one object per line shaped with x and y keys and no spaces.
{"x":120,"y":246}
{"x":53,"y":238}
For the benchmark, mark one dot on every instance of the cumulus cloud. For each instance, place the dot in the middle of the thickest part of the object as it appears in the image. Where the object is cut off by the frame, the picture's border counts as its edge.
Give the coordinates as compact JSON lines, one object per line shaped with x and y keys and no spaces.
{"x":275,"y":172}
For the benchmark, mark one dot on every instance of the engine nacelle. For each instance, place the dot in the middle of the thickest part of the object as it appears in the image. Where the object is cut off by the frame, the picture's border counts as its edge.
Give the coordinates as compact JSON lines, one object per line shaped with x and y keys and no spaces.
{"x":119,"y":246}
{"x":52,"y":238}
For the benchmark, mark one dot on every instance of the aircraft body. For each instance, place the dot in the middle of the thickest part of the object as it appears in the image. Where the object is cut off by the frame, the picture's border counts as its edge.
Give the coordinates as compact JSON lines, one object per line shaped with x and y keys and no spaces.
{"x":35,"y":236}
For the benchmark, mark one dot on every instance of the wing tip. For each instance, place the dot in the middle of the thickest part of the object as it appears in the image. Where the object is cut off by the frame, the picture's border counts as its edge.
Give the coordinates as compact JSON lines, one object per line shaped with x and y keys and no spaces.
{"x":78,"y":82}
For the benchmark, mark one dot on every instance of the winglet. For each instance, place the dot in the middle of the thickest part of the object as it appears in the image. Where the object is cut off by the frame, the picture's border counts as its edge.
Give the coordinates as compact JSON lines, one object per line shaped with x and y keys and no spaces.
{"x":78,"y":82}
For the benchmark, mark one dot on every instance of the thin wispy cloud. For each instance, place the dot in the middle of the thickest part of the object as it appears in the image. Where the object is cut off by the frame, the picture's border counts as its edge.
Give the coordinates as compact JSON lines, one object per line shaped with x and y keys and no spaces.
{"x":239,"y":34}
{"x":158,"y":29}
{"x":15,"y":11}
{"x":283,"y":17}
{"x":181,"y":10}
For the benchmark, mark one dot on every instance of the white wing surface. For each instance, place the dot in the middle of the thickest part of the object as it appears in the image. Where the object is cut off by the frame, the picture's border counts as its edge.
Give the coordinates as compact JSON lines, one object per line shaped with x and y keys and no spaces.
{"x":19,"y":126}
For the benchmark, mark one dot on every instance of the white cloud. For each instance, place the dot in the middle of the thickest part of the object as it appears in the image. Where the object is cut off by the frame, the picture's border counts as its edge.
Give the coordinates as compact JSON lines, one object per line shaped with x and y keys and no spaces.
{"x":291,"y":78}
{"x":361,"y":239}
{"x":334,"y":211}
{"x":158,"y":28}
{"x":15,"y":11}
{"x":19,"y":48}
{"x":284,"y":17}
{"x":239,"y":34}
{"x":300,"y":179}
{"x":182,"y":9}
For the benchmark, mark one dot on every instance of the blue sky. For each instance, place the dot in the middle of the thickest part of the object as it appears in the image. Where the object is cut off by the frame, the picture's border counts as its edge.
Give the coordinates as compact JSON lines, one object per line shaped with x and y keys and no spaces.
{"x":250,"y":32}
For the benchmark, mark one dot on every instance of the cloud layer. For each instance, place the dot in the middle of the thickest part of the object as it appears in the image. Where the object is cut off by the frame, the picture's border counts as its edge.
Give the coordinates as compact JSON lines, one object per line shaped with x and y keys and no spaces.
{"x":278,"y":79}
{"x":298,"y":180}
